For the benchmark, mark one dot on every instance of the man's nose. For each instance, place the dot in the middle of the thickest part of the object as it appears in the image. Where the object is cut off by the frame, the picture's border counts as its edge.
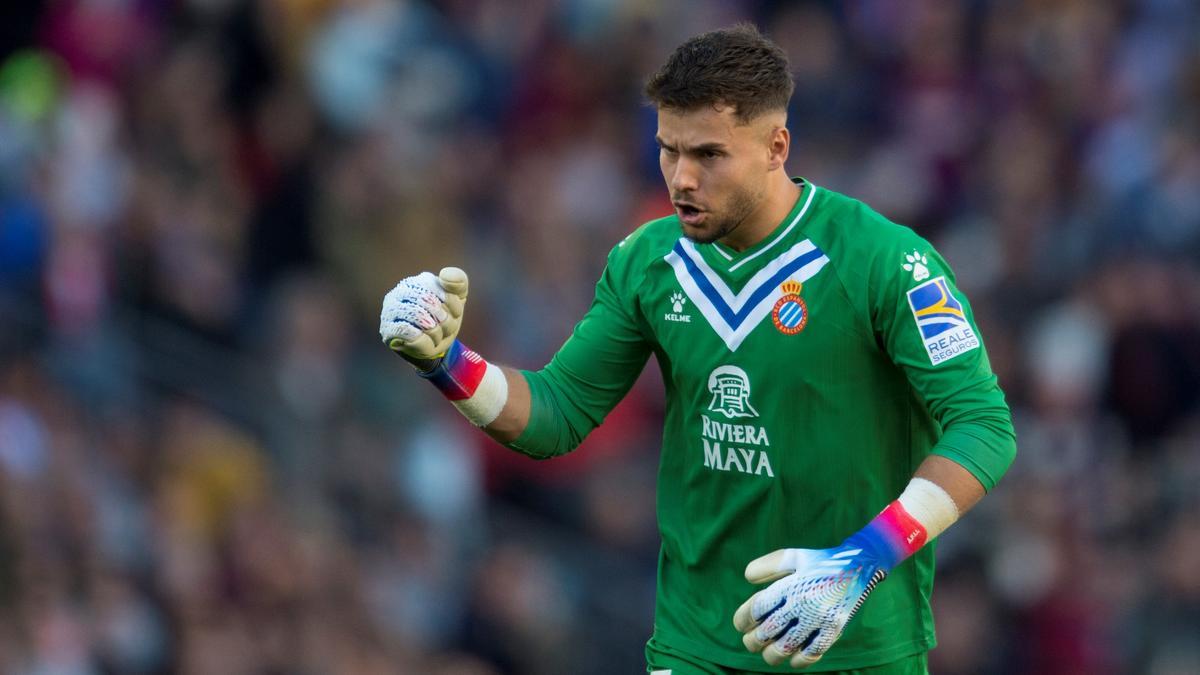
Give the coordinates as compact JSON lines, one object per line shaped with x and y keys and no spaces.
{"x":686,"y":177}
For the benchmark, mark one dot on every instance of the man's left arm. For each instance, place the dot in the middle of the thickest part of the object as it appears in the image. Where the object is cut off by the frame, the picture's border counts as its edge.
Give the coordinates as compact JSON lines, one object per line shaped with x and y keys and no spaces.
{"x":927,"y":328}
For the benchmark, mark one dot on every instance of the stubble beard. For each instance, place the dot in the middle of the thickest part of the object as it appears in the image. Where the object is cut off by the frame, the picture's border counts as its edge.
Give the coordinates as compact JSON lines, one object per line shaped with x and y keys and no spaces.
{"x":741,"y":204}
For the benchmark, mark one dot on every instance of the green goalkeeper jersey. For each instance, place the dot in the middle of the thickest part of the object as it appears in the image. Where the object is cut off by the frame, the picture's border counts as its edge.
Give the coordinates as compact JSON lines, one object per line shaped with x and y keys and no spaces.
{"x":806,"y":379}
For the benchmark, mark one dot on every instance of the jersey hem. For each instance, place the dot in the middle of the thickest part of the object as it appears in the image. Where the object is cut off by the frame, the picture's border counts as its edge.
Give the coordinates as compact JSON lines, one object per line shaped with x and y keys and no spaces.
{"x":755,"y":663}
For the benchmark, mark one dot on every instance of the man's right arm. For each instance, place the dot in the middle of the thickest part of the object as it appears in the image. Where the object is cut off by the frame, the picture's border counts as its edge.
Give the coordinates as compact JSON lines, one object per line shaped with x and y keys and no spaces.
{"x":541,"y":413}
{"x":553,"y":409}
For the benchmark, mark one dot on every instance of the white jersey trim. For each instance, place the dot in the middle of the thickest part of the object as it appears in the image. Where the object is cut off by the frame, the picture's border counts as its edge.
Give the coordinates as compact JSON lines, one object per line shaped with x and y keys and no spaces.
{"x":733,"y":316}
{"x":804,"y":209}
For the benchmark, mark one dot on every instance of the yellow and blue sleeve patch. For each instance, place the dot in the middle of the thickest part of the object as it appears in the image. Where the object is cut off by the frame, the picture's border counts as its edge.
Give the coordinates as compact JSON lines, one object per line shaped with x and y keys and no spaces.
{"x":944,"y":328}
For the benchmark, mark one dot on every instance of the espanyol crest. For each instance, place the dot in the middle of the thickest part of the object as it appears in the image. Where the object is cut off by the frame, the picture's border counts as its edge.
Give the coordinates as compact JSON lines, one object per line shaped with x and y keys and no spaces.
{"x":790,"y":314}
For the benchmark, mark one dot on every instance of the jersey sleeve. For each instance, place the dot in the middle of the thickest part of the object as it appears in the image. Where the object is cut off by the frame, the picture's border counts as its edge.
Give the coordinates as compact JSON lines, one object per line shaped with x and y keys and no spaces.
{"x":592,"y":371}
{"x":926,"y":325}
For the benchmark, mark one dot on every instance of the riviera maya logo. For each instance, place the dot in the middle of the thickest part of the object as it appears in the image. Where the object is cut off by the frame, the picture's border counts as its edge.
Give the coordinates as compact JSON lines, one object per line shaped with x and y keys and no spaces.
{"x":790,"y":314}
{"x":918,"y":264}
{"x":730,"y":389}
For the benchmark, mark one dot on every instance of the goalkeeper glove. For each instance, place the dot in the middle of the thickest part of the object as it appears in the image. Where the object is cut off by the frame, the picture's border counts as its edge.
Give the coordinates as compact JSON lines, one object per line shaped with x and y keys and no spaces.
{"x":422,"y":314}
{"x":817,"y":592}
{"x":420,"y":321}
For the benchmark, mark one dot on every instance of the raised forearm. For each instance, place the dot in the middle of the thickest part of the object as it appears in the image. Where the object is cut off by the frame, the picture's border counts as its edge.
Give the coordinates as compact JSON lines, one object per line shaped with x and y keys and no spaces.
{"x":543,"y":413}
{"x":514,"y":417}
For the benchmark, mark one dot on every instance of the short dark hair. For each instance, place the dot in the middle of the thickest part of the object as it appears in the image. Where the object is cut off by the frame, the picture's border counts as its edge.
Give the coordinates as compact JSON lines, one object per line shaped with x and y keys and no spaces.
{"x":734,"y":66}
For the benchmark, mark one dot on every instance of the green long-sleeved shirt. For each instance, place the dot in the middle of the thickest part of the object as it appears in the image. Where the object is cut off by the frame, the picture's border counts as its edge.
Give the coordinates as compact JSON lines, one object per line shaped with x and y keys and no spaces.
{"x":806,"y":378}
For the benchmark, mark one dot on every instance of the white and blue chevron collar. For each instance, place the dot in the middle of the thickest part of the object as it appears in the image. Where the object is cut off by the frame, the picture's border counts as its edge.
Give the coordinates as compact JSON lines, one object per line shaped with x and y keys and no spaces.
{"x":734,"y":315}
{"x":735,"y":264}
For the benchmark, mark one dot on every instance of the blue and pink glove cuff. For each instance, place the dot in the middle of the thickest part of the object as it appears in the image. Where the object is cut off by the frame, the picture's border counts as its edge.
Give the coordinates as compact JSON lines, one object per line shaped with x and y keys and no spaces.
{"x":891,"y":537}
{"x":459,"y":372}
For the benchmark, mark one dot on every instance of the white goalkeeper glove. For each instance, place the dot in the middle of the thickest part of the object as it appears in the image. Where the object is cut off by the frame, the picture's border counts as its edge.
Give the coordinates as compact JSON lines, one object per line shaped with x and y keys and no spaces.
{"x":420,"y":321}
{"x":817,"y":591}
{"x":422,"y":314}
{"x":802,"y":614}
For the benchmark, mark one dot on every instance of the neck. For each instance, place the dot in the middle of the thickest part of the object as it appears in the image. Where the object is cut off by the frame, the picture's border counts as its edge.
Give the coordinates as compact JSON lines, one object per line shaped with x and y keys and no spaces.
{"x":781,"y":196}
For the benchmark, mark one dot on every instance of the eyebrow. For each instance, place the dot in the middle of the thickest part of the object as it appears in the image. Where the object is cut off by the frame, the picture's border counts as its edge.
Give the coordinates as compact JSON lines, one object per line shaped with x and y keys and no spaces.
{"x":703,"y":147}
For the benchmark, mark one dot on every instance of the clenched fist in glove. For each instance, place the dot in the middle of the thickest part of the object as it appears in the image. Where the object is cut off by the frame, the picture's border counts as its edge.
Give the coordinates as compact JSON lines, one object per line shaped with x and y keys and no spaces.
{"x":420,"y":321}
{"x":422,"y":314}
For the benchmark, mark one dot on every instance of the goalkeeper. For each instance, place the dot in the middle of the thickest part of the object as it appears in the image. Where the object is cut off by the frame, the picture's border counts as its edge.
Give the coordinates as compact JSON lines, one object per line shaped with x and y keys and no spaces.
{"x":830,"y":406}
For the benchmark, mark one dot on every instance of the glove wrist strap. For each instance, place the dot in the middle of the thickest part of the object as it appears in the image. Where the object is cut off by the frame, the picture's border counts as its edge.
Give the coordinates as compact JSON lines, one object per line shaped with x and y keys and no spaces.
{"x":457,"y":374}
{"x":921,"y":513}
{"x":477,"y":388}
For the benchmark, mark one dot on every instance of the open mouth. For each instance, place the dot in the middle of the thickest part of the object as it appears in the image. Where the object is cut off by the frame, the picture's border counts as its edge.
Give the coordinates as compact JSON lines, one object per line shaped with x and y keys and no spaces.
{"x":690,"y":215}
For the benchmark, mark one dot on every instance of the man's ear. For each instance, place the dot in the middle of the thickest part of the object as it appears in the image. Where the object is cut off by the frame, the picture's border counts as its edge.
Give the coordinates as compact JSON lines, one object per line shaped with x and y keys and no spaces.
{"x":778,"y":144}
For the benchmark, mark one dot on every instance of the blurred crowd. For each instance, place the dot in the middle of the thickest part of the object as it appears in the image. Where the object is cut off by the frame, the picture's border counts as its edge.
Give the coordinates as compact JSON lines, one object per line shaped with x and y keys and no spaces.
{"x":209,"y":464}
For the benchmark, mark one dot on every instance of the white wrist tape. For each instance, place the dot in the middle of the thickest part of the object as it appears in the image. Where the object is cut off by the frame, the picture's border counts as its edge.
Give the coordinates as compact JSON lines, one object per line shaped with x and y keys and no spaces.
{"x":929,"y":505}
{"x":484,"y":406}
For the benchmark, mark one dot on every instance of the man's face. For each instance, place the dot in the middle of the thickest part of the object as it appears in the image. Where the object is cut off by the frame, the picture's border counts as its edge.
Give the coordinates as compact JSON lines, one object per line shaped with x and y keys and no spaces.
{"x":715,"y":168}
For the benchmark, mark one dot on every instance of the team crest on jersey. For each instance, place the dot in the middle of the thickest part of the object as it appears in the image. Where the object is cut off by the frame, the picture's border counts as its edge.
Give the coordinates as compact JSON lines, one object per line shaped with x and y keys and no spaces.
{"x":790,"y":314}
{"x":944,"y":328}
{"x":730,"y":389}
